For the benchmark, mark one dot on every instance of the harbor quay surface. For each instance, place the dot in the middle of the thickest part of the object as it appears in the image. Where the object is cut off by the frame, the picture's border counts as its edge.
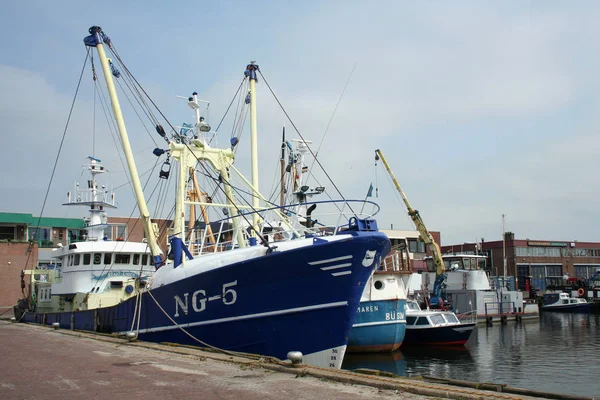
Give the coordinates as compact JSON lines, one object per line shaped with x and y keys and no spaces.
{"x":42,"y":363}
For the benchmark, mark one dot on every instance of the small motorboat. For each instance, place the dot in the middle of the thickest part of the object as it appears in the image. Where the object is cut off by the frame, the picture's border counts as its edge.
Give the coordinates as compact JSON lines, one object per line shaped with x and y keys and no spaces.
{"x":563,"y":302}
{"x":435,"y":327}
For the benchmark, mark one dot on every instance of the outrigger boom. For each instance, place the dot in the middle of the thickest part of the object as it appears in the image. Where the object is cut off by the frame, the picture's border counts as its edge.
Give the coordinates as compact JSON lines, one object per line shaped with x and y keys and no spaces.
{"x":96,"y":39}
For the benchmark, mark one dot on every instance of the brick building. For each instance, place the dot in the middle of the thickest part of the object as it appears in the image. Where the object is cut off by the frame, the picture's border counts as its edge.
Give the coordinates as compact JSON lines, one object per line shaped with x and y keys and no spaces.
{"x":14,"y":257}
{"x":536,"y":258}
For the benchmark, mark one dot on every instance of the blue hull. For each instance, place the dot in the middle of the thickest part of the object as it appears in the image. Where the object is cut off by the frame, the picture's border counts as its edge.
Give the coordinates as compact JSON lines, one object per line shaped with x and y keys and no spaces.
{"x":379,"y":327}
{"x":271,"y":305}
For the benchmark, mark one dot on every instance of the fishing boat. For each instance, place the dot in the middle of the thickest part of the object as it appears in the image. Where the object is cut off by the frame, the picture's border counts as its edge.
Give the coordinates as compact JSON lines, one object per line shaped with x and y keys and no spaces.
{"x":563,"y":302}
{"x":467,"y":287}
{"x":380,"y":318}
{"x":252,"y":277}
{"x":94,"y":271}
{"x":435,"y":327}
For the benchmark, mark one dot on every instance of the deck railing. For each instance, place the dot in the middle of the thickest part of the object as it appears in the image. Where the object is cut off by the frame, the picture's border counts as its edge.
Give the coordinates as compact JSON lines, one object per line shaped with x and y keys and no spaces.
{"x":278,"y":223}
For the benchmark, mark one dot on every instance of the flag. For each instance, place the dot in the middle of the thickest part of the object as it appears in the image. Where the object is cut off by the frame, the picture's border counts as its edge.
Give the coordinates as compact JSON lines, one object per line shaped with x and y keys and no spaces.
{"x":370,"y":192}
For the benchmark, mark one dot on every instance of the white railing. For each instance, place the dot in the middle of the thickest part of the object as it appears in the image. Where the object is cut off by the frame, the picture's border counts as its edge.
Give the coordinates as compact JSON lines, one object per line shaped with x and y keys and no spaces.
{"x":278,"y":223}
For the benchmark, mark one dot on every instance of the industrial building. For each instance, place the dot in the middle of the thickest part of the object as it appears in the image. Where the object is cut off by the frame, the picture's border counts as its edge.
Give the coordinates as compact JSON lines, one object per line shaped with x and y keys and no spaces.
{"x":536,"y":259}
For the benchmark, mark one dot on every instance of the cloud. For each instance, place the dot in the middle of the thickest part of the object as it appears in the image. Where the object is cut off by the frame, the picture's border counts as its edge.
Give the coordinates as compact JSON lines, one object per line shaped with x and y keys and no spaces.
{"x":481,"y":110}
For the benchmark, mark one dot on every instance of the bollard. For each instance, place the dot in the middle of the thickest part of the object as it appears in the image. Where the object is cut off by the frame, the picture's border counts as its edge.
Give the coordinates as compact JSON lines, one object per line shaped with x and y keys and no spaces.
{"x":295,"y":357}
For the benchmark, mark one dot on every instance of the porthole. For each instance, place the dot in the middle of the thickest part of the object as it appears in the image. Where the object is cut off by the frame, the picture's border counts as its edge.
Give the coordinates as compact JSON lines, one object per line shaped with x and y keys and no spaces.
{"x":379,"y":285}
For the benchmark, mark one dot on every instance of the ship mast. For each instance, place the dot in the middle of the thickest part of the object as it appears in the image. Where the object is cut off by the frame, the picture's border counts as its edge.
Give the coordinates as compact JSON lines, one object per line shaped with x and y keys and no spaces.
{"x":251,"y":70}
{"x":96,"y":39}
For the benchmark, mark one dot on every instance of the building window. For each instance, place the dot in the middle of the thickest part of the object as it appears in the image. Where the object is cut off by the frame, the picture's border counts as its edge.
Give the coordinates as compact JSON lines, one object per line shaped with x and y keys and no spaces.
{"x":76,"y":235}
{"x":585,"y":271}
{"x":580,"y":252}
{"x":42,"y":236}
{"x":118,"y":232}
{"x":540,"y":272}
{"x":539,"y":251}
{"x":8,"y":232}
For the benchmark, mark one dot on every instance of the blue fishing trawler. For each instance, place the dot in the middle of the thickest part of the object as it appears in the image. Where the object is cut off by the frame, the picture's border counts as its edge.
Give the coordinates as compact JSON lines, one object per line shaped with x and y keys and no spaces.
{"x":238,"y":275}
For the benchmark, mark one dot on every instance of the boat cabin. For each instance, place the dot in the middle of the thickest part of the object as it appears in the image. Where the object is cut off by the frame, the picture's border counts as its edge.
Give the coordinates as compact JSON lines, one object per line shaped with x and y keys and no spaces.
{"x":432,"y":319}
{"x":453,"y":262}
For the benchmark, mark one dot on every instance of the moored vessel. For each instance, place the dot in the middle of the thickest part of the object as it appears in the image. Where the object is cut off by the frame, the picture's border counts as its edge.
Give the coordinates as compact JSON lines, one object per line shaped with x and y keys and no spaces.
{"x":563,"y":302}
{"x":272,"y":279}
{"x":436,"y":327}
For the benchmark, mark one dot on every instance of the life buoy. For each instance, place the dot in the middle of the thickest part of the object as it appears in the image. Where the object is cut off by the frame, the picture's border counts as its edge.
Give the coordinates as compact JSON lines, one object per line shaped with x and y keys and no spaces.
{"x":580,"y":291}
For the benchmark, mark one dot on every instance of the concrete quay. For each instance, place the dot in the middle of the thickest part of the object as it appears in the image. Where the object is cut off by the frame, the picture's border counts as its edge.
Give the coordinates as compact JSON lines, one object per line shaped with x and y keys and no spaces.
{"x":38,"y":362}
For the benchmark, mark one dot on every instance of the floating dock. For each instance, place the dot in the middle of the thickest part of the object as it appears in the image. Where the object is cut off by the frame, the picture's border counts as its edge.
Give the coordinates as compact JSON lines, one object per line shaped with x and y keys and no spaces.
{"x":41,"y":362}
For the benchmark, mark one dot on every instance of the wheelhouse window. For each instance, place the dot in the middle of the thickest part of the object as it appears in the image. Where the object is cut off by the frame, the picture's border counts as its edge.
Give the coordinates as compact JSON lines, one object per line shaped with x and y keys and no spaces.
{"x":136,"y":259}
{"x":410,"y":320}
{"x":481,"y":263}
{"x":77,"y":259}
{"x":108,"y":258}
{"x":422,"y":321}
{"x":145,"y":259}
{"x":437,"y":319}
{"x":451,"y":318}
{"x":121,"y":258}
{"x":87,"y":258}
{"x":467,"y":263}
{"x":97,"y":258}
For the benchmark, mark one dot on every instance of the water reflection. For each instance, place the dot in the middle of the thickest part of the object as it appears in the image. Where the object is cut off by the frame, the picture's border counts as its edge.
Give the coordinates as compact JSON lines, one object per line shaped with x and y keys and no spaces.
{"x":389,"y":362}
{"x":549,"y":354}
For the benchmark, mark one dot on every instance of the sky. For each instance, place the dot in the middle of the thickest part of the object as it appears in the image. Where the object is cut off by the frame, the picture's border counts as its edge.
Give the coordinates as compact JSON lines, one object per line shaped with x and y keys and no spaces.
{"x":481,"y":108}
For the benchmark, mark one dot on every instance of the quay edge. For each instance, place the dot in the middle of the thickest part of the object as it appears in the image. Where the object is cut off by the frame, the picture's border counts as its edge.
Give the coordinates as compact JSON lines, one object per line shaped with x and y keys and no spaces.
{"x":176,"y":369}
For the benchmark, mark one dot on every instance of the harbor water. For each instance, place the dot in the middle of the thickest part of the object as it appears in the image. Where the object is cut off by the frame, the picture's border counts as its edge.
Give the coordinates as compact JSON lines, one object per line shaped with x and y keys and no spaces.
{"x":558,"y":353}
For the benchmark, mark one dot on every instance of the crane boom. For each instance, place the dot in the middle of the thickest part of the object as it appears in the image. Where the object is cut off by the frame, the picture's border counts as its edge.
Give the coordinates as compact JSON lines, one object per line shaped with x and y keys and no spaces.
{"x":438,"y":261}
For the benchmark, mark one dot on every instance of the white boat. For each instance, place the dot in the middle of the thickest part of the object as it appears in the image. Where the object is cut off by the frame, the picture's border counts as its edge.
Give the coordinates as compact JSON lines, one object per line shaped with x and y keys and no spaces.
{"x":563,"y":302}
{"x":467,"y":287}
{"x":95,"y":272}
{"x":435,"y":327}
{"x":251,"y":276}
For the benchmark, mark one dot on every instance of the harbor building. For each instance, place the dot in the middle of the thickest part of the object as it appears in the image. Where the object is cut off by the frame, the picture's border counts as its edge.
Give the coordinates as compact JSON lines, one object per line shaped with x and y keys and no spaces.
{"x":534,"y":259}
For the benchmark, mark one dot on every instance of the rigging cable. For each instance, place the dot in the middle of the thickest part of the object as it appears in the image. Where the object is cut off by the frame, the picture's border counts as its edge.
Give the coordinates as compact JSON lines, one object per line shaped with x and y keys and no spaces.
{"x":113,"y":50}
{"x":58,"y":156}
{"x":301,"y":137}
{"x":333,"y":114}
{"x":230,"y":104}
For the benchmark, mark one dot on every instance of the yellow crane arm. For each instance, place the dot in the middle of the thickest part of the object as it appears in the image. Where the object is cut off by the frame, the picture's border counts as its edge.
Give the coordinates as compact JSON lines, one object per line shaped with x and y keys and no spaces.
{"x":417,"y":220}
